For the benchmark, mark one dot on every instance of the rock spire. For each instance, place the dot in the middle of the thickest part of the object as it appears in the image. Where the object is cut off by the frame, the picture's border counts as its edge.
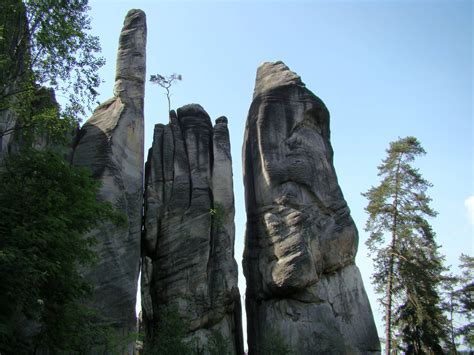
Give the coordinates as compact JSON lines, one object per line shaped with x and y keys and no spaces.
{"x":111,"y":144}
{"x":188,"y":243}
{"x":303,"y":286}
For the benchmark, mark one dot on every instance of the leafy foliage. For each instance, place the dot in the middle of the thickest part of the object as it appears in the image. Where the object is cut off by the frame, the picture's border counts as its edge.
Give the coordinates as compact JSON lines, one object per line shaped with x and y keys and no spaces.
{"x":217,"y":215}
{"x":13,"y":46}
{"x":459,"y":305}
{"x":46,"y":43}
{"x":408,"y":267}
{"x":169,"y":335}
{"x":274,"y":344}
{"x":46,"y":208}
{"x":63,"y":53}
{"x":40,"y":122}
{"x":46,"y":205}
{"x":165,"y":82}
{"x":450,"y":306}
{"x":218,"y":345}
{"x":466,"y":300}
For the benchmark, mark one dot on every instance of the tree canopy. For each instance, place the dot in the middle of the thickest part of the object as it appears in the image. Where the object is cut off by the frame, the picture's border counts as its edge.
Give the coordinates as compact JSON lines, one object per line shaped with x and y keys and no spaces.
{"x":46,"y":43}
{"x":465,"y":296}
{"x":46,"y":206}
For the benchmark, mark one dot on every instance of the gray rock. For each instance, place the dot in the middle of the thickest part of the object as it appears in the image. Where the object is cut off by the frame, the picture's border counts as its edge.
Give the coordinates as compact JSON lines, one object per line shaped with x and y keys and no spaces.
{"x":301,"y":242}
{"x":111,"y":144}
{"x":188,"y":241}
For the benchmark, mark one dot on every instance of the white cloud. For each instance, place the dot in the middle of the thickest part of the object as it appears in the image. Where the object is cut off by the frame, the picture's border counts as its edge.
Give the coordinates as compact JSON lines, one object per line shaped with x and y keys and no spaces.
{"x":469,"y":203}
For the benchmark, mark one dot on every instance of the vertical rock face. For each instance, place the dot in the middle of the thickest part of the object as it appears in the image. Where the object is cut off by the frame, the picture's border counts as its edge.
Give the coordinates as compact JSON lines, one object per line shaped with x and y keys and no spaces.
{"x":111,"y":144}
{"x":188,"y":242}
{"x":302,"y":283}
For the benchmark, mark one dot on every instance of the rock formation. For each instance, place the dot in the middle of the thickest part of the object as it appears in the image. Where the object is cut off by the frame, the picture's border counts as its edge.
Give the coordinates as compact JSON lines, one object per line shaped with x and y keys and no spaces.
{"x":111,"y":144}
{"x":303,"y":287}
{"x":188,"y":243}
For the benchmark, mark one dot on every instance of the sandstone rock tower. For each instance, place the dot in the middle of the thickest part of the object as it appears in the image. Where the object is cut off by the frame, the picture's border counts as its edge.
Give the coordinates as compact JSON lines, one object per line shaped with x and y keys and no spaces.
{"x":302,"y":283}
{"x":188,"y":242}
{"x":111,"y":144}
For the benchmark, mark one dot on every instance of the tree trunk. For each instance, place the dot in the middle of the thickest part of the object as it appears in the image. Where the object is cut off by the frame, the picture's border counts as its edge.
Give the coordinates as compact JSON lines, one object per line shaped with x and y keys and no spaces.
{"x":391,"y":261}
{"x":388,"y":309}
{"x":453,"y":344}
{"x":169,"y":100}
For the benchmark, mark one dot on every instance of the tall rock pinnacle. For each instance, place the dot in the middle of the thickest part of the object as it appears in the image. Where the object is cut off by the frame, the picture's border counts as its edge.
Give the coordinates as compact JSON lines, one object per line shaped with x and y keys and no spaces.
{"x":131,"y":57}
{"x":188,"y":243}
{"x":111,"y":144}
{"x":302,"y":283}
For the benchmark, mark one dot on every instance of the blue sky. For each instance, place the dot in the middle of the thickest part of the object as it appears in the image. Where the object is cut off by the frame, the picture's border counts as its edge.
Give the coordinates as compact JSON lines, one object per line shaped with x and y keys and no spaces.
{"x":385,"y":69}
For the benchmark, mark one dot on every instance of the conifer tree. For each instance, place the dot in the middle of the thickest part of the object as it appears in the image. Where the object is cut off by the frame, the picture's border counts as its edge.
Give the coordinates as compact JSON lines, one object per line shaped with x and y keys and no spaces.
{"x":466,"y":300}
{"x":402,"y":244}
{"x":459,"y":305}
{"x":451,"y":308}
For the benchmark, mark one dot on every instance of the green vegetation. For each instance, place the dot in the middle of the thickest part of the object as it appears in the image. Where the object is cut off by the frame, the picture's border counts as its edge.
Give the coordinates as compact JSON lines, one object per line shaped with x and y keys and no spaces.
{"x":218,"y":345}
{"x":274,"y":344}
{"x":47,"y":206}
{"x":217,"y":215}
{"x":459,"y":306}
{"x":426,"y":311}
{"x":465,"y":297}
{"x":408,"y":266}
{"x":168,"y":337}
{"x":46,"y":44}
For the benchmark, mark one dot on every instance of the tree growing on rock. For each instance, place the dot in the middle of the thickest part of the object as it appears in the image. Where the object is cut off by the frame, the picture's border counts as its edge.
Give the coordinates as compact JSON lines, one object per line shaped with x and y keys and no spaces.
{"x":407,"y":262}
{"x":166,"y":82}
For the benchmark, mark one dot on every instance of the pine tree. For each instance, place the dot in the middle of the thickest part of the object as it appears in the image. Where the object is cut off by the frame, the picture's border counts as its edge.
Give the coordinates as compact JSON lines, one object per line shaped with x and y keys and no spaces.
{"x":165,"y":82}
{"x":466,"y":300}
{"x":451,"y":308}
{"x":407,"y":263}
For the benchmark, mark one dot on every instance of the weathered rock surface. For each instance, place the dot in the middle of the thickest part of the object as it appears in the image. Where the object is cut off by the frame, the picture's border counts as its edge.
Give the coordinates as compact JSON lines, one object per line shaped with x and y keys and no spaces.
{"x":111,"y":144}
{"x":188,"y":242}
{"x":302,"y":283}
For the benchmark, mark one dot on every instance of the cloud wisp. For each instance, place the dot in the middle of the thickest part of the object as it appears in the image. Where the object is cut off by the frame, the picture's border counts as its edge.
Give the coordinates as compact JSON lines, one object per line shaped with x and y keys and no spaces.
{"x":469,"y":204}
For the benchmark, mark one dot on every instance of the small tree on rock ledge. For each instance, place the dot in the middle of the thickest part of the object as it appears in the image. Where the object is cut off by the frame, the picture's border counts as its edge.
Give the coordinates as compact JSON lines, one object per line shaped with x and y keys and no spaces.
{"x":166,"y":82}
